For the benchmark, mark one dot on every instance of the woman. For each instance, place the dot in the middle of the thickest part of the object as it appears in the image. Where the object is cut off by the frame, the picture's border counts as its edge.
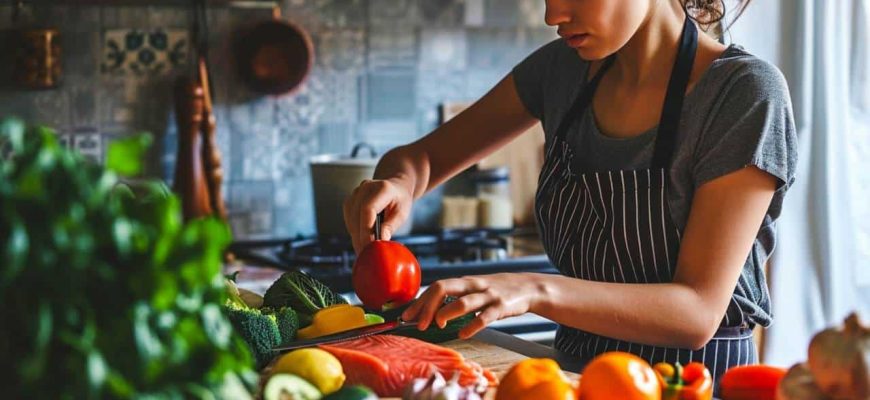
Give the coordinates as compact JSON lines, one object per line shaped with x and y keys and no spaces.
{"x":668,"y":155}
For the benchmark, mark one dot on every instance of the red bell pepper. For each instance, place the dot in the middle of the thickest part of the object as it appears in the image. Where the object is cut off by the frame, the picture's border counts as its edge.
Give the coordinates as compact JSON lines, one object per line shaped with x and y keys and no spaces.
{"x":692,"y":382}
{"x":751,"y":382}
{"x":386,"y":275}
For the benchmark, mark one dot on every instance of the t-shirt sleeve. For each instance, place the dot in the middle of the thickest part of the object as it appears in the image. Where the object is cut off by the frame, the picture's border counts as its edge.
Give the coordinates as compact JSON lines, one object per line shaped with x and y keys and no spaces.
{"x":750,"y":125}
{"x":530,"y":77}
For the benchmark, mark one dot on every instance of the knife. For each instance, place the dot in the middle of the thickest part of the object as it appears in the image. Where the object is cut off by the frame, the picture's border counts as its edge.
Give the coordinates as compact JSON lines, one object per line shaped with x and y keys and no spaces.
{"x":368,"y":330}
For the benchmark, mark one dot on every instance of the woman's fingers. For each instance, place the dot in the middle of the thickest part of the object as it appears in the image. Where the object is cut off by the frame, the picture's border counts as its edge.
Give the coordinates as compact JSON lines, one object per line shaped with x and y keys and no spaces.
{"x":486,"y":317}
{"x":424,"y":309}
{"x":369,"y":199}
{"x":429,"y":302}
{"x":463,"y":305}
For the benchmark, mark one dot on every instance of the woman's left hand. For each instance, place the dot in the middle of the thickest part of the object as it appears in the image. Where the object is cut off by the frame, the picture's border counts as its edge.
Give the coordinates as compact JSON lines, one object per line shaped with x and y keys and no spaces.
{"x":496,"y":296}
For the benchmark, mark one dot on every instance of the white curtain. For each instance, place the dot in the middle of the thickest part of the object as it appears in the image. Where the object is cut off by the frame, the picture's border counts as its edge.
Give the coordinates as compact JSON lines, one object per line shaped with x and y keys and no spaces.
{"x":821,"y":269}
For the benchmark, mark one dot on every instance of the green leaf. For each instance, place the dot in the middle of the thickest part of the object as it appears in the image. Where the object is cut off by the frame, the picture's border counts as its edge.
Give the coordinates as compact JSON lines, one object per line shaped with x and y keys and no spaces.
{"x":17,"y":248}
{"x":97,"y":370}
{"x":124,"y":156}
{"x":12,"y":131}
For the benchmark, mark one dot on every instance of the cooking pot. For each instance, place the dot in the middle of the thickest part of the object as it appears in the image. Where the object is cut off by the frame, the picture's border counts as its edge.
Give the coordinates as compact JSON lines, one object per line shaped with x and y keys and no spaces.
{"x":334,"y":177}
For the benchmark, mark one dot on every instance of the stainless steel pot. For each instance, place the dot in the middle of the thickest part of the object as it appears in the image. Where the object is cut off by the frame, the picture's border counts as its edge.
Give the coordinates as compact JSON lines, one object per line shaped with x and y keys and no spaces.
{"x":334,"y":177}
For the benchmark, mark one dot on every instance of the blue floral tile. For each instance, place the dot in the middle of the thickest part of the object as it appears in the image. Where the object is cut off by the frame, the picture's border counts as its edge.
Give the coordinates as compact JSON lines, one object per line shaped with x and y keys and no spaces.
{"x":251,"y":224}
{"x":480,"y":81}
{"x":337,"y":138}
{"x":323,"y":15}
{"x":496,"y":47}
{"x":65,"y":140}
{"x":144,"y":53}
{"x":250,"y":196}
{"x":390,"y":95}
{"x":177,"y":17}
{"x":474,"y":13}
{"x":392,"y":46}
{"x":89,"y":145}
{"x":443,"y":49}
{"x":341,"y":50}
{"x":118,"y":103}
{"x":294,"y":206}
{"x":83,"y":105}
{"x":51,"y":109}
{"x":292,"y":150}
{"x":501,"y":13}
{"x":531,"y":13}
{"x":385,"y":135}
{"x":81,"y":64}
{"x":442,"y":13}
{"x":384,"y":13}
{"x":433,"y":89}
{"x":303,"y":109}
{"x":341,"y":92}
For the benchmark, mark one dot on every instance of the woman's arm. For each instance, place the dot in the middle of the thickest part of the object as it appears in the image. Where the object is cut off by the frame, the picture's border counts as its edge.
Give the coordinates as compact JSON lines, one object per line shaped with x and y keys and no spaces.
{"x":407,"y":172}
{"x":723,"y":223}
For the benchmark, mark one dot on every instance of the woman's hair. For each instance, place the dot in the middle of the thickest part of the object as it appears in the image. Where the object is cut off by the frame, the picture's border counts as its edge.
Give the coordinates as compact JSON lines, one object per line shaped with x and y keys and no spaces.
{"x":710,"y":13}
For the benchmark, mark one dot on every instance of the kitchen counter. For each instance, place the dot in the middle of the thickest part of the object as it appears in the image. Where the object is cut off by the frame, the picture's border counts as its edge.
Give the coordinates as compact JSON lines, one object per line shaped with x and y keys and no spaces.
{"x":498,"y":342}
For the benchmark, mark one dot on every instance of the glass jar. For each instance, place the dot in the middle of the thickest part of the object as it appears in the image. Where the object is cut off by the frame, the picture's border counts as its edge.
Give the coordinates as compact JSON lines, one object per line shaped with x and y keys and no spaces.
{"x":495,"y":210}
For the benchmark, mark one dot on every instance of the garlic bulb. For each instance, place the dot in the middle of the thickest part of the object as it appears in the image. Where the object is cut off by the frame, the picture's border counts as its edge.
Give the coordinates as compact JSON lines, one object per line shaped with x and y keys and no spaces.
{"x":798,"y":384}
{"x":839,"y":358}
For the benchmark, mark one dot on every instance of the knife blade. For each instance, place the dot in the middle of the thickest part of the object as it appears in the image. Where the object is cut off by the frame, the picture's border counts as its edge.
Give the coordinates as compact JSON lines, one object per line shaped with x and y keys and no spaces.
{"x":368,"y":330}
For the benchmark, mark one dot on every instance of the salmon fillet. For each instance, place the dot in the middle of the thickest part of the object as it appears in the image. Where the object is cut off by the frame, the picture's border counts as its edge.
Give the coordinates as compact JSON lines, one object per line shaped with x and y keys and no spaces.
{"x":387,"y":363}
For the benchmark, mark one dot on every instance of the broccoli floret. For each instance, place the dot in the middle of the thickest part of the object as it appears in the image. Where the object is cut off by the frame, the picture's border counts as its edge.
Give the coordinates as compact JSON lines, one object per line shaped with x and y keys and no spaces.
{"x":259,"y":330}
{"x":288,"y":322}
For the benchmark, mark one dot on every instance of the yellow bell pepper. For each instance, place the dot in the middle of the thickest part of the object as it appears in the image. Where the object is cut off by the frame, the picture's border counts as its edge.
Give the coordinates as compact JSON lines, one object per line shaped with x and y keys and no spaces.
{"x":334,"y":319}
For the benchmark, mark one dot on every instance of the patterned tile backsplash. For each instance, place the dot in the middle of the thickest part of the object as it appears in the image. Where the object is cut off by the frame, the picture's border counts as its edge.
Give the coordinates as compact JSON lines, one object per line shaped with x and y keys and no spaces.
{"x":140,"y":53}
{"x":382,"y":67}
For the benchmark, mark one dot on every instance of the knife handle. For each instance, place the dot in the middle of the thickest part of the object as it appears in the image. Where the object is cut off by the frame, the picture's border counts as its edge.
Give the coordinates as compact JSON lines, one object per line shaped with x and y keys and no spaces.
{"x":379,"y":220}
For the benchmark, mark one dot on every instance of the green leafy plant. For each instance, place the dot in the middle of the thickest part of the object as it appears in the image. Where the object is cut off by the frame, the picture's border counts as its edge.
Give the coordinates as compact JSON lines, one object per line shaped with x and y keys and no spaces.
{"x":103,"y":293}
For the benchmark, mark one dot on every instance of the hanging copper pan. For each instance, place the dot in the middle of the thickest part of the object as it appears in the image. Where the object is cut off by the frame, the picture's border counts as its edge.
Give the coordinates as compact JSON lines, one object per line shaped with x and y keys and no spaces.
{"x":275,"y":56}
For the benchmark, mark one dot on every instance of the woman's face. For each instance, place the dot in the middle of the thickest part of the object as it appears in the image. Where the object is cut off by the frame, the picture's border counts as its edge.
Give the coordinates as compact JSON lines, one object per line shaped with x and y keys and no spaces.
{"x":597,"y":28}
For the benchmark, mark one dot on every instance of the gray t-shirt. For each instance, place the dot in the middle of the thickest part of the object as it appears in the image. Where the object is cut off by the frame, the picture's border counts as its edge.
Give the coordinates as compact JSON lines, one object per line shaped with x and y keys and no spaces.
{"x":738,"y":114}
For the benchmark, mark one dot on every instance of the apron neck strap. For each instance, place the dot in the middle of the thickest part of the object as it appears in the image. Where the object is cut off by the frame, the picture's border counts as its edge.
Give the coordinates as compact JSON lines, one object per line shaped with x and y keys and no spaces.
{"x":583,"y":99}
{"x":669,"y":122}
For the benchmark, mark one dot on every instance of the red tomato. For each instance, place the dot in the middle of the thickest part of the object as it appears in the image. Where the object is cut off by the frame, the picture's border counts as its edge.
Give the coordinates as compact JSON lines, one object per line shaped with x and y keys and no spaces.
{"x":756,"y":382}
{"x":385,"y":275}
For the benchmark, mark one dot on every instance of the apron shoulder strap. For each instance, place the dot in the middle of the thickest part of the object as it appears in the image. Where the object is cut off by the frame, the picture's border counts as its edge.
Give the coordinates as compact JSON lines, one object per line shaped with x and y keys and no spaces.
{"x":669,"y":122}
{"x":583,"y":99}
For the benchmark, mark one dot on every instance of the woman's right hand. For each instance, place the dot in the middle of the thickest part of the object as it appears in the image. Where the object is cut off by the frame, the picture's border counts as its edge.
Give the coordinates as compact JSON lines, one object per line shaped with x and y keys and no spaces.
{"x":370,"y":198}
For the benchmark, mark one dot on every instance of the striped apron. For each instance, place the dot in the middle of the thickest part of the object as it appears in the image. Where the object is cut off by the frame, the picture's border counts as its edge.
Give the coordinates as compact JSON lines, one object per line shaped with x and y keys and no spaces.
{"x":615,"y":226}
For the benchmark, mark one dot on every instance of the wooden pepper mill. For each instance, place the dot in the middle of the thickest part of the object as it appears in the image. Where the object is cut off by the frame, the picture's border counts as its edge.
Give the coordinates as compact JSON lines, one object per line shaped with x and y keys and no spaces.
{"x":190,"y":181}
{"x":198,"y":172}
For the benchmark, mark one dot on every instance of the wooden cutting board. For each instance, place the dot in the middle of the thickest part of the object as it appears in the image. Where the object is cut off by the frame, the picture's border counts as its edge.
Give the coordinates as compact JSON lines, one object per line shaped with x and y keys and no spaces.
{"x":496,"y":359}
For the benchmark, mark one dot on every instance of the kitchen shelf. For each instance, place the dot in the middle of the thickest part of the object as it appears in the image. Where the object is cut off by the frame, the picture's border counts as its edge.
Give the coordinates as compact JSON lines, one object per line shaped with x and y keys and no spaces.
{"x":148,"y":3}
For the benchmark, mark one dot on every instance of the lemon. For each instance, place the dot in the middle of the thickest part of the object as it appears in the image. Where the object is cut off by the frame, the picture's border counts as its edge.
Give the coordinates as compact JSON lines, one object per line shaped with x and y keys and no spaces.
{"x":316,"y":366}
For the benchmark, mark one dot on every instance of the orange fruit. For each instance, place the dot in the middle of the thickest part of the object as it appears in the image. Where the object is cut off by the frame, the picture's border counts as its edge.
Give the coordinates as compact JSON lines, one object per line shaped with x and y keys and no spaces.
{"x":618,"y":375}
{"x":535,"y":379}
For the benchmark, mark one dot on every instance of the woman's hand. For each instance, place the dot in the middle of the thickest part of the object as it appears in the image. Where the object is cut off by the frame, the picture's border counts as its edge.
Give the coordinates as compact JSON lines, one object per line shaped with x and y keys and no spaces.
{"x":367,"y":200}
{"x":496,"y":296}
